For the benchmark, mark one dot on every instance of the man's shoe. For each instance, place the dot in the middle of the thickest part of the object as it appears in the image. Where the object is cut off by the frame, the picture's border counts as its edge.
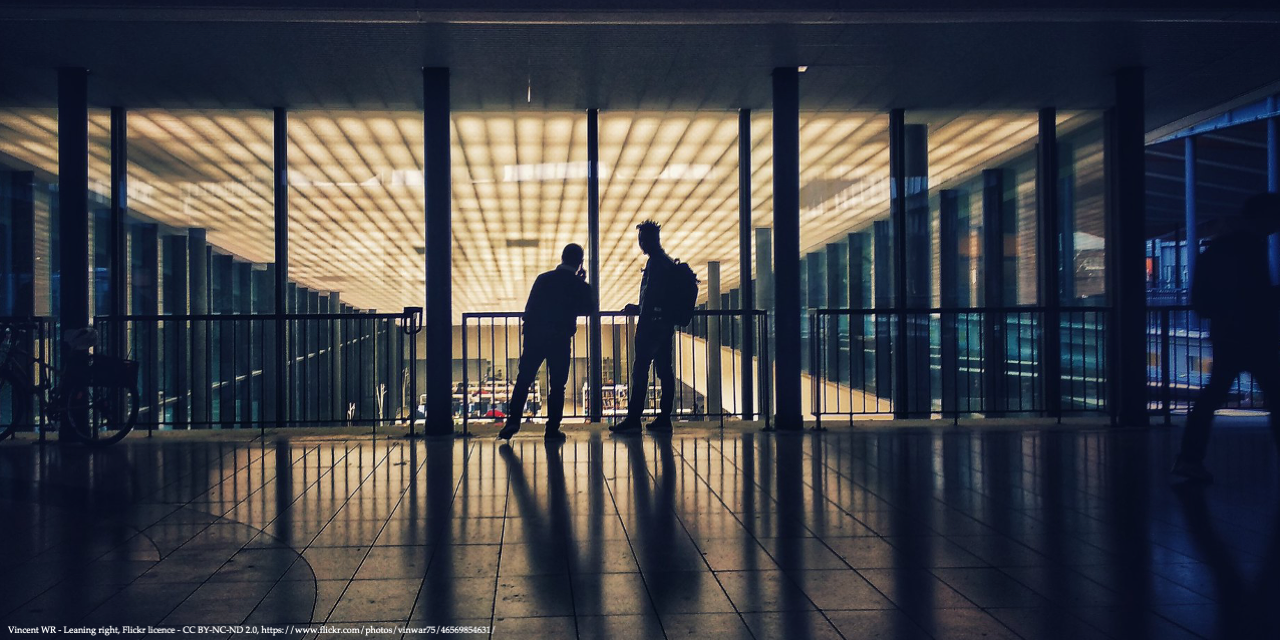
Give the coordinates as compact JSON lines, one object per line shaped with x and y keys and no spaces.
{"x":508,"y":431}
{"x":1193,"y":471}
{"x":628,"y":425}
{"x":661,"y":424}
{"x":555,"y":435}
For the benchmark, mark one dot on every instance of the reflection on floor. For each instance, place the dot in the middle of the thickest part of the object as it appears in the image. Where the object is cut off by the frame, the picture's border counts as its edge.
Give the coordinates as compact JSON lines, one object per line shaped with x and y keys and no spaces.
{"x":847,"y":534}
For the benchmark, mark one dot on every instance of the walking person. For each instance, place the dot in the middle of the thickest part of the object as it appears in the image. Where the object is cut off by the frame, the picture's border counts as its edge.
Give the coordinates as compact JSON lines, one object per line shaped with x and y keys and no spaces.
{"x":655,"y":331}
{"x":1232,"y":289}
{"x":556,"y":300}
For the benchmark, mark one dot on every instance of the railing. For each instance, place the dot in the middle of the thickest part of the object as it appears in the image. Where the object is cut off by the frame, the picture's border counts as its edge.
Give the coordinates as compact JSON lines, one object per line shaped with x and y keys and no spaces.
{"x":1179,"y":356}
{"x":243,"y":370}
{"x":707,"y":360}
{"x":958,"y":362}
{"x":31,"y":337}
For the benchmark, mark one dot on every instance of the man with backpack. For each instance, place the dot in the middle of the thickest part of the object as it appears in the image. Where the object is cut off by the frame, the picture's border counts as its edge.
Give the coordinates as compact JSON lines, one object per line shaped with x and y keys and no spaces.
{"x":668,"y":293}
{"x":1232,"y":289}
{"x":551,"y":315}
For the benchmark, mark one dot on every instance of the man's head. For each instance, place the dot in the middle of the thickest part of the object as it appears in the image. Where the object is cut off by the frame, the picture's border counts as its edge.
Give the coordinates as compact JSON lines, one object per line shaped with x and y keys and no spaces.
{"x":1262,"y":212}
{"x":571,"y":256}
{"x":648,"y":236}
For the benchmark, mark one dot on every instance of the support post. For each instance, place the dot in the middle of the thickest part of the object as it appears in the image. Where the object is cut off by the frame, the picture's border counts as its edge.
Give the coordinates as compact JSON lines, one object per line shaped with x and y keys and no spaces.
{"x":764,"y":300}
{"x":715,"y":405}
{"x":993,"y":285}
{"x":859,"y":299}
{"x":1189,"y":205}
{"x":882,"y":272}
{"x":1273,"y":181}
{"x":198,"y":271}
{"x":177,"y":348}
{"x":439,"y":307}
{"x":834,"y":367}
{"x":786,"y":244}
{"x":595,"y":374}
{"x":143,"y":263}
{"x":17,"y":257}
{"x":280,"y":341}
{"x":73,"y":203}
{"x":119,"y":259}
{"x":1127,"y":213}
{"x":1050,"y":266}
{"x":744,"y":264}
{"x":949,"y":288}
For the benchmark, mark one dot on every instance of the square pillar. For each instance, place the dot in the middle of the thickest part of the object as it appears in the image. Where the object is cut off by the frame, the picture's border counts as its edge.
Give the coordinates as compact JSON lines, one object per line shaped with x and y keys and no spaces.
{"x":201,"y":364}
{"x":993,"y":290}
{"x":882,"y":272}
{"x":715,"y":404}
{"x":143,"y":262}
{"x":859,"y":299}
{"x":439,"y":307}
{"x":786,"y":245}
{"x":1126,"y":270}
{"x":177,"y":343}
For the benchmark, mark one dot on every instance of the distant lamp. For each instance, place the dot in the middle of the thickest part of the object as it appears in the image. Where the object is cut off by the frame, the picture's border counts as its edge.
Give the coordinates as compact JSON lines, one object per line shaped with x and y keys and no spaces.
{"x":802,"y":68}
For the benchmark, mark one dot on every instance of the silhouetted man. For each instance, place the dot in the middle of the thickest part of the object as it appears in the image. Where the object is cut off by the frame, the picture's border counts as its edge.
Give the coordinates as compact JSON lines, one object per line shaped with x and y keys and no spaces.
{"x":654,"y":335}
{"x":1232,"y":289}
{"x":557,"y":299}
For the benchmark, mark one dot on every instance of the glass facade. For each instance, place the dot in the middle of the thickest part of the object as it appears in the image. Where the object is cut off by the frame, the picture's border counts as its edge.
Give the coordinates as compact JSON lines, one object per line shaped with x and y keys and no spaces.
{"x":201,"y":241}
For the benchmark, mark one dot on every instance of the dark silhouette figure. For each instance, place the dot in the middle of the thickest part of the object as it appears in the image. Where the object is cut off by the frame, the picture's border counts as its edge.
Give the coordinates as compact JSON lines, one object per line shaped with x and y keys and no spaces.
{"x":654,"y":336}
{"x":1232,"y":289}
{"x":558,"y":297}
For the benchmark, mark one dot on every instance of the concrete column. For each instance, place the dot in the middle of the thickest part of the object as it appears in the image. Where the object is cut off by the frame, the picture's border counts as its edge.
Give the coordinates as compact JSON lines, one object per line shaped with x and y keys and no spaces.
{"x":245,"y":335}
{"x":1050,"y":263}
{"x":786,"y":247}
{"x":949,"y":286}
{"x":859,"y":299}
{"x":834,"y":367}
{"x":17,"y":261}
{"x":882,"y":273}
{"x":715,"y":404}
{"x":1191,"y":219}
{"x":143,"y":262}
{"x":1273,"y":180}
{"x":439,"y":309}
{"x":281,"y":355}
{"x":1126,"y":270}
{"x":223,"y":334}
{"x":595,"y":368}
{"x":913,"y":377}
{"x":198,"y":272}
{"x":73,"y":205}
{"x":177,"y":346}
{"x":272,"y":365}
{"x":747,"y":298}
{"x":764,"y":300}
{"x":993,"y":289}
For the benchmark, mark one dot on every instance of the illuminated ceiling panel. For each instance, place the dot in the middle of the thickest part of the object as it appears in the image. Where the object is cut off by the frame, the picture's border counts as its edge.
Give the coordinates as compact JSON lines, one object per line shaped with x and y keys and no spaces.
{"x":519,"y":187}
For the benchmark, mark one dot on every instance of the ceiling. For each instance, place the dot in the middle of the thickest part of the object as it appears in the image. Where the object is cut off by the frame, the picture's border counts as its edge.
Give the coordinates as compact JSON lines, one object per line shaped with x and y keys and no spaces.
{"x":200,"y":84}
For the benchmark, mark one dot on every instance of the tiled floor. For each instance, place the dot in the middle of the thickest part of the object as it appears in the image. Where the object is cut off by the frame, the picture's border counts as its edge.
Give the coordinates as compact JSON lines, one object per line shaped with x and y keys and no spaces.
{"x":887,"y":533}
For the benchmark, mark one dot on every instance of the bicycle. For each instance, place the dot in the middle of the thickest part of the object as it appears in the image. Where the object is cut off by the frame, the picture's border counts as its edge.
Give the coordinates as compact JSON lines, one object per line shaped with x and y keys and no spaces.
{"x":95,"y":399}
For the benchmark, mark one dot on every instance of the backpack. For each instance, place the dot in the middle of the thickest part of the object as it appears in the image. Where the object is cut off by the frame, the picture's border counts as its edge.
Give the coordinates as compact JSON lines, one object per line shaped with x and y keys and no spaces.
{"x":682,"y":295}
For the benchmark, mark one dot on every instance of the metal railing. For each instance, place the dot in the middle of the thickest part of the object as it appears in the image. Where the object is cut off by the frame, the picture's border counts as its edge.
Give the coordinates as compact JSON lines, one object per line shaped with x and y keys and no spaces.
{"x":226,"y":370}
{"x":959,"y":362}
{"x":1179,"y":357}
{"x":707,"y":360}
{"x":31,"y":337}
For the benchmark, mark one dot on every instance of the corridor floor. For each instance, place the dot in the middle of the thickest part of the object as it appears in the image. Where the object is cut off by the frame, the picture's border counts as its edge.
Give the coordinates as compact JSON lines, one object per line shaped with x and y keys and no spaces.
{"x":880,"y":533}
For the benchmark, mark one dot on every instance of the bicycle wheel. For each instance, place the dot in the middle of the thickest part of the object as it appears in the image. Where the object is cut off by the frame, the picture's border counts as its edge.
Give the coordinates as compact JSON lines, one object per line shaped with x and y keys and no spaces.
{"x":15,"y":401}
{"x":100,"y":416}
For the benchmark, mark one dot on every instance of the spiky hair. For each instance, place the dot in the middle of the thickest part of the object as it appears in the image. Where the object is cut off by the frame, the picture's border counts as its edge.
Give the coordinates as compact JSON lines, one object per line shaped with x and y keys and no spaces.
{"x":649,"y":227}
